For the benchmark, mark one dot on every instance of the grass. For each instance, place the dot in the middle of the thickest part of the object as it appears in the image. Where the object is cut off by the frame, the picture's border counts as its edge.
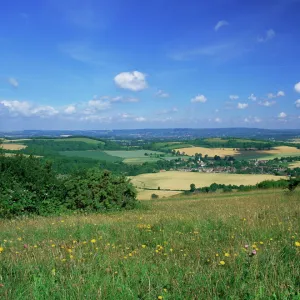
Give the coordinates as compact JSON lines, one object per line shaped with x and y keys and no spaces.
{"x":79,"y":139}
{"x":139,"y":160}
{"x":132,"y":153}
{"x":184,"y":248}
{"x":175,"y":180}
{"x":94,"y":154}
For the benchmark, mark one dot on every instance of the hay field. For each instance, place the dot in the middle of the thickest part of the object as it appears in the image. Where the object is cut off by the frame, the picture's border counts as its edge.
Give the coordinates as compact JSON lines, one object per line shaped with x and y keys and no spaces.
{"x":294,"y":165}
{"x":211,"y":152}
{"x":146,"y":194}
{"x":12,"y":146}
{"x":175,"y":180}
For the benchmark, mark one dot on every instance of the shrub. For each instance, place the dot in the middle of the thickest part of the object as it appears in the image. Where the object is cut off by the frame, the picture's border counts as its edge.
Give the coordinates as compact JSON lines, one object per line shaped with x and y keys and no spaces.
{"x":154,"y":196}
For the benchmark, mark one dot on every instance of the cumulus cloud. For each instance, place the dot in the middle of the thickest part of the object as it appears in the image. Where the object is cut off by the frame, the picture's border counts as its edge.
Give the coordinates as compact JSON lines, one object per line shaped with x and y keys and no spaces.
{"x":267,"y":103}
{"x":218,"y":120}
{"x":252,"y":97}
{"x":220,"y":24}
{"x":134,"y":81}
{"x":71,"y":109}
{"x":123,"y":99}
{"x":96,"y":105}
{"x":269,"y":35}
{"x":282,"y":115}
{"x":280,"y":94}
{"x":297,"y":103}
{"x":242,"y":105}
{"x":297,"y":87}
{"x":199,"y":98}
{"x":233,"y":97}
{"x":162,"y":94}
{"x":23,"y":108}
{"x":13,"y":82}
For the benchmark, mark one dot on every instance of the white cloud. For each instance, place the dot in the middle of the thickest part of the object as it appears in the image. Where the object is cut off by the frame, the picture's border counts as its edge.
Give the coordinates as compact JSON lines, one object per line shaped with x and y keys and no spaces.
{"x":168,"y":111}
{"x":242,"y":105}
{"x":269,"y":35}
{"x":280,"y":94}
{"x":233,"y":97}
{"x":71,"y":109}
{"x":134,"y":81}
{"x":252,"y":97}
{"x":123,"y":99}
{"x":267,"y":103}
{"x":297,"y":87}
{"x":221,"y":24}
{"x":218,"y":120}
{"x":282,"y":115}
{"x":199,"y":98}
{"x":162,"y":94}
{"x":140,"y":119}
{"x":297,"y":103}
{"x":252,"y":120}
{"x":271,"y":96}
{"x":24,"y":108}
{"x":13,"y":82}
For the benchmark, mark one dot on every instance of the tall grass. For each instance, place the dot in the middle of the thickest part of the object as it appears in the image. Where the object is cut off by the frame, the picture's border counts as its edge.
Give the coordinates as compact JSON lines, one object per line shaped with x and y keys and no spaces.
{"x":187,"y":248}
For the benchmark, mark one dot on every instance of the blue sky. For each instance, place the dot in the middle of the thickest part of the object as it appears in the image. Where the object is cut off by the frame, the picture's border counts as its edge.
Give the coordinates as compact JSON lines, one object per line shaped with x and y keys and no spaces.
{"x":149,"y":64}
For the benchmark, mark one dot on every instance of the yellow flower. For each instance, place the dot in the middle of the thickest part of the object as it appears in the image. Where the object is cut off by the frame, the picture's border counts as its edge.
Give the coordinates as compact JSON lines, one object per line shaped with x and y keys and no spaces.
{"x":53,"y":272}
{"x":93,"y":241}
{"x":227,"y":254}
{"x":297,"y":244}
{"x":160,"y":297}
{"x":19,"y":239}
{"x":70,"y":250}
{"x":217,"y":255}
{"x":35,"y":246}
{"x":222,"y":262}
{"x":165,"y":290}
{"x":143,"y":246}
{"x":52,"y":245}
{"x":1,"y":249}
{"x":130,"y":254}
{"x":261,"y":243}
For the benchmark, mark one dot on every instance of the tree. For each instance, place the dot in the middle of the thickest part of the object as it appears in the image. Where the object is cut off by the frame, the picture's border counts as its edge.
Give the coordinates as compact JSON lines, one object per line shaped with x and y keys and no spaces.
{"x":154,"y":196}
{"x":192,"y":187}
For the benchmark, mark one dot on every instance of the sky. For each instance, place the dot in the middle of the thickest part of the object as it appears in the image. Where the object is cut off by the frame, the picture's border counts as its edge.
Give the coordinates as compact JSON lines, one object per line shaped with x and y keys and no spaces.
{"x":95,"y":64}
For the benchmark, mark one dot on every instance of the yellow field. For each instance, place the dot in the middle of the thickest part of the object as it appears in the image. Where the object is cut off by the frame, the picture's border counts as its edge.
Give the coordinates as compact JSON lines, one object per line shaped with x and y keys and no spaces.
{"x":146,"y":194}
{"x":13,"y":146}
{"x":295,"y":165}
{"x":174,"y":180}
{"x":222,"y":152}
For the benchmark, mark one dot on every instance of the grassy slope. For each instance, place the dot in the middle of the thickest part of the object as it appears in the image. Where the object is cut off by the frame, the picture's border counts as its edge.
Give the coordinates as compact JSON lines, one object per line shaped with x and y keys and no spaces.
{"x":132,"y":154}
{"x":99,"y":155}
{"x":184,"y":241}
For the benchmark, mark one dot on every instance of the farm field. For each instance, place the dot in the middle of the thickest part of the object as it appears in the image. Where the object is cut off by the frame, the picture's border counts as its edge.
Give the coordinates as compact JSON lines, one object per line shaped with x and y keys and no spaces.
{"x":94,"y":154}
{"x":139,"y":160}
{"x":295,"y":165}
{"x":210,"y":247}
{"x":132,"y":154}
{"x":146,"y":194}
{"x":175,"y":180}
{"x":281,"y":151}
{"x":12,"y":146}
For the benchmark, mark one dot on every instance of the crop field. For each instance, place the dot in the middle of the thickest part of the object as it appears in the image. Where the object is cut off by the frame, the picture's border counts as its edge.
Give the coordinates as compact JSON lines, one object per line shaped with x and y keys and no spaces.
{"x":213,"y":247}
{"x":139,"y":160}
{"x":132,"y":154}
{"x":175,"y":180}
{"x":146,"y":194}
{"x":78,"y":139}
{"x":281,"y":151}
{"x":12,"y":146}
{"x":295,"y":165}
{"x":94,"y":154}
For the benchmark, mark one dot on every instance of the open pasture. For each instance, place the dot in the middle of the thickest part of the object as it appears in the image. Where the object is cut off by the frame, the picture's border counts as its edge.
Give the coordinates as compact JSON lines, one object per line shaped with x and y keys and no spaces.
{"x":94,"y":154}
{"x":78,"y":139}
{"x":175,"y":180}
{"x":211,"y":152}
{"x":132,"y":153}
{"x":208,"y":247}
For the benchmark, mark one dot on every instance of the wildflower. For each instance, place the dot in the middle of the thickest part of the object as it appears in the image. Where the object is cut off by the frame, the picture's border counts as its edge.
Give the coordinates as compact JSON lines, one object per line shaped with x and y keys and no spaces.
{"x":1,"y":249}
{"x":19,"y":239}
{"x":160,"y":297}
{"x":70,"y":250}
{"x":35,"y":246}
{"x":253,"y":252}
{"x":71,"y":256}
{"x":165,"y":290}
{"x":261,"y":243}
{"x":246,"y":246}
{"x":297,"y":244}
{"x":271,"y":239}
{"x":25,"y":246}
{"x":93,"y":241}
{"x":53,"y":272}
{"x":52,"y":245}
{"x":217,"y":255}
{"x":143,"y":246}
{"x":227,"y":254}
{"x":222,"y":262}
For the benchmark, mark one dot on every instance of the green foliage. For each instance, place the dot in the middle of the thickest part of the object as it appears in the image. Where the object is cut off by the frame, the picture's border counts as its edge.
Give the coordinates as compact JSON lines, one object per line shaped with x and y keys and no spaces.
{"x":154,"y":196}
{"x":96,"y":190}
{"x":192,"y":187}
{"x":29,"y":185}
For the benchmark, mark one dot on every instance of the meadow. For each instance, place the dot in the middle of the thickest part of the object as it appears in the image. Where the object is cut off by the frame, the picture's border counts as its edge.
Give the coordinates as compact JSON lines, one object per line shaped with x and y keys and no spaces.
{"x":229,"y":246}
{"x":78,"y":139}
{"x":12,"y":146}
{"x":94,"y":154}
{"x":176,"y":180}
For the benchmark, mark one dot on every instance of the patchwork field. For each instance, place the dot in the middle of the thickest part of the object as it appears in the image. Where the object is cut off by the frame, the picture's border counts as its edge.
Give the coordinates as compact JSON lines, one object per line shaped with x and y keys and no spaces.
{"x":281,"y":151}
{"x":94,"y":154}
{"x":175,"y":180}
{"x":213,"y":247}
{"x":12,"y":146}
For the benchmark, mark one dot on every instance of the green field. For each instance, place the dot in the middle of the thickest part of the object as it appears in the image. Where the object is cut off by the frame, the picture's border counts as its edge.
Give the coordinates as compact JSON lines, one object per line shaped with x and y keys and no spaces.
{"x":206,"y":247}
{"x":78,"y":139}
{"x":94,"y":154}
{"x":132,"y":153}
